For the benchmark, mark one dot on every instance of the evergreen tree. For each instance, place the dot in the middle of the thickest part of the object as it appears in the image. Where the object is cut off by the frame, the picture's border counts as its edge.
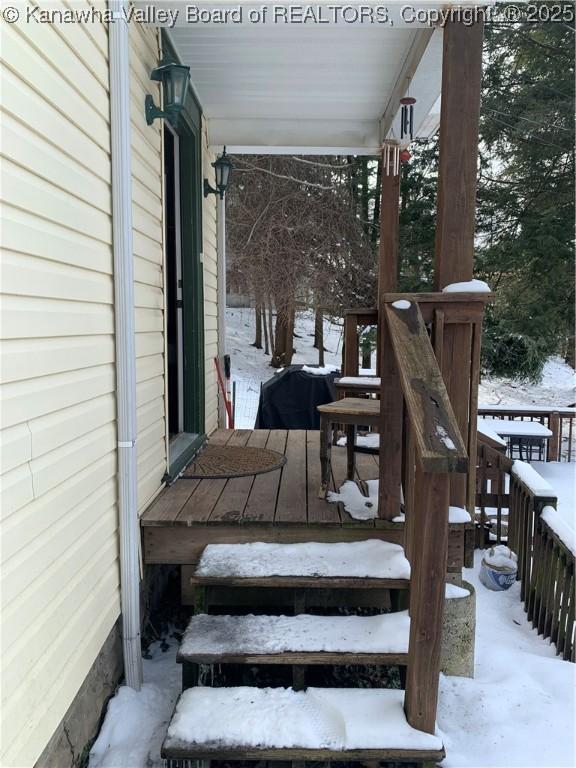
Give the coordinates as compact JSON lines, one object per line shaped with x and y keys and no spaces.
{"x":526,"y":194}
{"x":525,"y":227}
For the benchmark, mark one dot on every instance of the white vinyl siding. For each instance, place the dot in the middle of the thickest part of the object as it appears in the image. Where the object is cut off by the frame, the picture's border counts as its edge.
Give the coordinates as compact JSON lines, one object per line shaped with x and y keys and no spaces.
{"x":60,"y":574}
{"x":210,"y":264}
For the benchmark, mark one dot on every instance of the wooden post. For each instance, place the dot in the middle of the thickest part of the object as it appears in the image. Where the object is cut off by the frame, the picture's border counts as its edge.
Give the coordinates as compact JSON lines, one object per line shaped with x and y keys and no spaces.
{"x":554,"y":444}
{"x":429,"y":551}
{"x":389,"y":225}
{"x":459,"y":117}
{"x":350,"y":351}
{"x":390,"y":427}
{"x":454,"y":258}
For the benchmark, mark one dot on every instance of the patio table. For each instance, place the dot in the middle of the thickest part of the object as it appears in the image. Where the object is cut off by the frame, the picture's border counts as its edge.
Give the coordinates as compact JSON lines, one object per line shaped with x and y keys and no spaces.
{"x":521,"y":436}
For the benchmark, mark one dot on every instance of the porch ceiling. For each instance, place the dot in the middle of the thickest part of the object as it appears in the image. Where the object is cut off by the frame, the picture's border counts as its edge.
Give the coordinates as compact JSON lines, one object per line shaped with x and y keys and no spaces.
{"x":324,"y":88}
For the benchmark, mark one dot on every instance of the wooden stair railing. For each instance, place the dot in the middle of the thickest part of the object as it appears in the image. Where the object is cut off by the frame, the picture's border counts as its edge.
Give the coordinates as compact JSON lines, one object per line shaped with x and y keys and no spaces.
{"x":433,"y":452}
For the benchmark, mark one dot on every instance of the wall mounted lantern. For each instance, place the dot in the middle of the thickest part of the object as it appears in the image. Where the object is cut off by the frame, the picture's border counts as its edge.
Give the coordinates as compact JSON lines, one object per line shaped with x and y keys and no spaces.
{"x":222,"y":169}
{"x":174,"y":78}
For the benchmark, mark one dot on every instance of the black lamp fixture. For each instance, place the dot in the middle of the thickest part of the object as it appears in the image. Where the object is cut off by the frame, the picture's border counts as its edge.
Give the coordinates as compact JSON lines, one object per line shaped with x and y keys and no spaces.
{"x":174,"y":78}
{"x":222,"y":169}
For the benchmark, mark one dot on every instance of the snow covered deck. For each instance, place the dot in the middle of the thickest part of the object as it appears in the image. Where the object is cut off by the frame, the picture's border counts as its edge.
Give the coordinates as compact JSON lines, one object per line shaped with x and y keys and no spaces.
{"x":278,"y":506}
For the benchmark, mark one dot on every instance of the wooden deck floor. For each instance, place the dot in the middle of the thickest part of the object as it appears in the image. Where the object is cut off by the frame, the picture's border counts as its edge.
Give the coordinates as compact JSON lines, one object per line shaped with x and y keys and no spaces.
{"x":282,"y":505}
{"x":286,"y":496}
{"x":279,"y":505}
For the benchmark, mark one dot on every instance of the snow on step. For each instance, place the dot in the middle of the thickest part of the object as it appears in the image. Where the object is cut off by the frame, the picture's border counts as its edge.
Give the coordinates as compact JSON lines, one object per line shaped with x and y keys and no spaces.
{"x":281,"y":718}
{"x":358,"y":559}
{"x":262,"y":635}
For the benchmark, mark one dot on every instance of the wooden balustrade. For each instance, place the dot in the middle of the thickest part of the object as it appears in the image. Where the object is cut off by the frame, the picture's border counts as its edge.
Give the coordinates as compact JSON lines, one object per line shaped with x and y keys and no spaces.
{"x":433,"y":452}
{"x":560,"y":421}
{"x":493,"y":468}
{"x":545,"y":567}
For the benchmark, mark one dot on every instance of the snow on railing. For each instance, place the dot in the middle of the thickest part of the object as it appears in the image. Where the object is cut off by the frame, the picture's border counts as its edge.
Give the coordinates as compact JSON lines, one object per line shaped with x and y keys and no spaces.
{"x":545,"y":548}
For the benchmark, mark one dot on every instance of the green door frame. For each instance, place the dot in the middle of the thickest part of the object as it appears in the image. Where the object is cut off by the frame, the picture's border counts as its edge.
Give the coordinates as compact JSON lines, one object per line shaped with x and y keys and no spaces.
{"x":188,"y":126}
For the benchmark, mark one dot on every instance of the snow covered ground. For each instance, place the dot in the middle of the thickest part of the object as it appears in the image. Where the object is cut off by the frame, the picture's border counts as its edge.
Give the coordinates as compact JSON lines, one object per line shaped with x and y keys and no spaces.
{"x":251,"y":366}
{"x":518,"y":711}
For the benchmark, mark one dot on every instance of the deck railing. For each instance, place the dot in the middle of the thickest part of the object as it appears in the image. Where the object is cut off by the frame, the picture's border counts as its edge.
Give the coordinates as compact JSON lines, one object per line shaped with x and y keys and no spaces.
{"x":425,"y":450}
{"x":493,"y":470}
{"x":523,"y":506}
{"x":545,"y":563}
{"x":560,"y":421}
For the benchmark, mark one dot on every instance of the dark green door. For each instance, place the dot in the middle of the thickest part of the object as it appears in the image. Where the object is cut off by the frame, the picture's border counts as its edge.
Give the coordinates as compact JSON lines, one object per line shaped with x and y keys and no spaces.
{"x":184,"y":285}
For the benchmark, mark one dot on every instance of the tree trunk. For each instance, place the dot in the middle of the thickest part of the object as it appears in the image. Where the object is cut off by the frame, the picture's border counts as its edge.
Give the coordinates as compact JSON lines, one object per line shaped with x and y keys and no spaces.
{"x":278,"y":358}
{"x":258,"y":339}
{"x":365,"y":195}
{"x":319,"y":336}
{"x":366,"y":356}
{"x":291,"y":315}
{"x":569,"y":358}
{"x":265,"y":329}
{"x":317,"y":327}
{"x":270,"y":326}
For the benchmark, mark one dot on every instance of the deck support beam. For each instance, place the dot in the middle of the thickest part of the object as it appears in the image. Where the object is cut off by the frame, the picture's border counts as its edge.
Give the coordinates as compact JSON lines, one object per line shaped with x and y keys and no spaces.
{"x":454,"y":257}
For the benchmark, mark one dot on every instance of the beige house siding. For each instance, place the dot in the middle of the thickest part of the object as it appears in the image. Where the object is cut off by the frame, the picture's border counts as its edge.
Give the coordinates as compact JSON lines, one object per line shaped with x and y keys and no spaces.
{"x":210,"y":265}
{"x":60,"y":574}
{"x":59,"y":547}
{"x":148,"y":225}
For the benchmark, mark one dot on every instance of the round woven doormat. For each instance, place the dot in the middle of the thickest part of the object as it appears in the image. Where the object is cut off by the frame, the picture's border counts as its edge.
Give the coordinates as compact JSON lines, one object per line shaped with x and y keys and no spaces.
{"x":233,"y":461}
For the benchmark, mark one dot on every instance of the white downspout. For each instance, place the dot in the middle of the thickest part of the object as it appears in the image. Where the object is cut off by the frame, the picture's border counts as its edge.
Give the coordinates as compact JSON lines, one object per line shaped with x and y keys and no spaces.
{"x":221,"y":268}
{"x":118,"y":48}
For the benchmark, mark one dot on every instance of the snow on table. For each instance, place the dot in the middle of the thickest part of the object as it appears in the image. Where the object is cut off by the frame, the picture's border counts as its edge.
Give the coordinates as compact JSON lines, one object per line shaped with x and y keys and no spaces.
{"x":260,"y":635}
{"x":281,"y":718}
{"x":512,"y":428}
{"x":357,"y":559}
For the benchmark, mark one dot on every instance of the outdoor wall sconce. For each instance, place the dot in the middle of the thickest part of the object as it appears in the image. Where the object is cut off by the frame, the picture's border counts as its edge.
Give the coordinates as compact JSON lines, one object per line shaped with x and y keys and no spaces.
{"x":174,"y":78}
{"x":222,"y":168}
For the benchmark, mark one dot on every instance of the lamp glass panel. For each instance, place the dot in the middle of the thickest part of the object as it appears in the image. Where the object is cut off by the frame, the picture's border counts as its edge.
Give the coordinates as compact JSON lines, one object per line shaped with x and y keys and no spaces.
{"x":222,"y":168}
{"x":176,"y":85}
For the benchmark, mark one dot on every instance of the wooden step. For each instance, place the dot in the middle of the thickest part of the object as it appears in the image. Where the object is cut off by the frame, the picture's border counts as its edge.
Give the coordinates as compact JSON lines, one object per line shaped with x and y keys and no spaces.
{"x":302,"y":639}
{"x":282,"y":724}
{"x":369,"y":563}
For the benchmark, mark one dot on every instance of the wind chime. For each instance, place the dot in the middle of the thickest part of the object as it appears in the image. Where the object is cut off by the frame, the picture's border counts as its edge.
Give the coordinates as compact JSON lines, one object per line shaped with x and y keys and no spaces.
{"x":392,"y":155}
{"x":391,"y":158}
{"x":407,"y":117}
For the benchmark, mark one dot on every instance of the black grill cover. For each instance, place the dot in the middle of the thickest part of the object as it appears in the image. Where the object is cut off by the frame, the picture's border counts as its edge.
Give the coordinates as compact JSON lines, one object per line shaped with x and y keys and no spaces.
{"x":288,"y":400}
